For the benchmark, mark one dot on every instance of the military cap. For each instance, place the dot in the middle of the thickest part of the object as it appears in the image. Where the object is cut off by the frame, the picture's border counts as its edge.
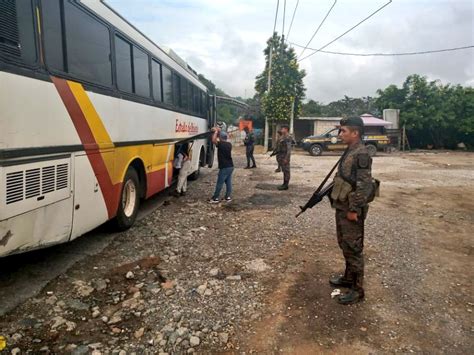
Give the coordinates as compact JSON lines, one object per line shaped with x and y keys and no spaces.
{"x":352,"y":121}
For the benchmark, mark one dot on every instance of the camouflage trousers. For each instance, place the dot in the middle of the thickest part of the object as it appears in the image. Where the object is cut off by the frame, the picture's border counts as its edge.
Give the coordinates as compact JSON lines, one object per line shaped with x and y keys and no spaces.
{"x":285,"y":168}
{"x":350,"y":237}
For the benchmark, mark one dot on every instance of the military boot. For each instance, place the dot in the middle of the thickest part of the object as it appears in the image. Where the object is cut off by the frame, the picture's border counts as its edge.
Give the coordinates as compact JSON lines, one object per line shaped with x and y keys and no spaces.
{"x":278,"y":170}
{"x":283,"y":187}
{"x":340,"y":281}
{"x":353,"y":296}
{"x":356,"y":293}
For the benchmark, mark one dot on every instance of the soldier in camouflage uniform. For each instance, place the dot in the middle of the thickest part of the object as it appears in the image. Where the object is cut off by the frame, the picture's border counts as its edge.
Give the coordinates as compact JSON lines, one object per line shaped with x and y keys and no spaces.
{"x":283,"y":153}
{"x":352,"y":188}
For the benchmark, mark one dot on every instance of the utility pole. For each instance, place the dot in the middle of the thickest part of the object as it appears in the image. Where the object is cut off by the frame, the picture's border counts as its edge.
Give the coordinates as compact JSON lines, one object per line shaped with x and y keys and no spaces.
{"x":292,"y":117}
{"x":265,"y":142}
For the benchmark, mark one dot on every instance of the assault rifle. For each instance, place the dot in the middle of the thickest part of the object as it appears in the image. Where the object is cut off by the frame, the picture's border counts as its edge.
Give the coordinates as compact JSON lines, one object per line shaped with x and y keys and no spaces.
{"x":321,"y":191}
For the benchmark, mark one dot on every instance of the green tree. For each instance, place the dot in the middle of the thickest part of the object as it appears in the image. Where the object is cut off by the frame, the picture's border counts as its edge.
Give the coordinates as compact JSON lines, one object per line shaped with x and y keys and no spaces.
{"x":286,"y":82}
{"x":433,"y":113}
{"x":312,"y":108}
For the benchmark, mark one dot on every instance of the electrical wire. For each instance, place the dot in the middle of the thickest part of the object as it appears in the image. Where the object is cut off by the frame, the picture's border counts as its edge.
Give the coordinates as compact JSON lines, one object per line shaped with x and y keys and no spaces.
{"x":276,"y":17}
{"x":349,"y":30}
{"x":284,"y":15}
{"x":291,"y":24}
{"x":388,"y":54}
{"x":317,"y":29}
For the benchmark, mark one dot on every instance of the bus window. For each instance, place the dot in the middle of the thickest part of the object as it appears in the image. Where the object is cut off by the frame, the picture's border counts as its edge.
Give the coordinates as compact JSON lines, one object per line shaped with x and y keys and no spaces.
{"x":184,"y":94}
{"x":203,"y":104}
{"x":88,"y":46}
{"x":123,"y":64}
{"x":191,"y":97}
{"x":176,"y":90}
{"x":167,"y":86}
{"x":17,"y":32}
{"x":53,"y":38}
{"x":156,"y":76}
{"x":141,"y":74}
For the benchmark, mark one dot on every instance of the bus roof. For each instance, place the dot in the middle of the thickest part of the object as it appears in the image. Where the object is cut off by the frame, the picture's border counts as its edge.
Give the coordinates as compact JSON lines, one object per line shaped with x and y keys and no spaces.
{"x":109,"y":14}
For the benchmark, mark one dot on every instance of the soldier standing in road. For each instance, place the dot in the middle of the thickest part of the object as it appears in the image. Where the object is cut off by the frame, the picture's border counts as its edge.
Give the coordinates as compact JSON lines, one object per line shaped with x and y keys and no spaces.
{"x":278,"y":169}
{"x":283,"y":153}
{"x":249,"y":142}
{"x":352,"y":191}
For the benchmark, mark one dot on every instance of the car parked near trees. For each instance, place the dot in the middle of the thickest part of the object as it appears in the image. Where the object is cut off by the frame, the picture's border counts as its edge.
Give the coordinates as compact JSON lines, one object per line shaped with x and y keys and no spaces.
{"x":330,"y":141}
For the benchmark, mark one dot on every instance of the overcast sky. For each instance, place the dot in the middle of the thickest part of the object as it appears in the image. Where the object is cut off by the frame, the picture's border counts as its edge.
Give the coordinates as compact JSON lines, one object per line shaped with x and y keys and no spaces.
{"x":224,"y":40}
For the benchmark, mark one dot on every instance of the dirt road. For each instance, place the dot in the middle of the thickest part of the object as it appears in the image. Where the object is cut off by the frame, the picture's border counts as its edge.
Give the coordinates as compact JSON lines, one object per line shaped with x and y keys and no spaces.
{"x":247,"y":277}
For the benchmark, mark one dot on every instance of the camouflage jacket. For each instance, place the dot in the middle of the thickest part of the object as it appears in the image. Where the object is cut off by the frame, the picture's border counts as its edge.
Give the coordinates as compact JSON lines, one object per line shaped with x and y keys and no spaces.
{"x":356,"y":169}
{"x":283,"y":148}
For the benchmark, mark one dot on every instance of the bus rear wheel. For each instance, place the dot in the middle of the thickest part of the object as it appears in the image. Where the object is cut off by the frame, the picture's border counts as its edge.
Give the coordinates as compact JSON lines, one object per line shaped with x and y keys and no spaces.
{"x":129,"y":201}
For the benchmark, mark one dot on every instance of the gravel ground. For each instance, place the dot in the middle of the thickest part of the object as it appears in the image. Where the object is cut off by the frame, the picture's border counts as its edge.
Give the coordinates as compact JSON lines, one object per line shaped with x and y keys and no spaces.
{"x":247,"y":276}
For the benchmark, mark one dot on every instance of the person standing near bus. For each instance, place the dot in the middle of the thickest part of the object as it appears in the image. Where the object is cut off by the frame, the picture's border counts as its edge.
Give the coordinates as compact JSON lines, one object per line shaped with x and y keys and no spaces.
{"x":183,"y":174}
{"x":249,"y":142}
{"x":225,"y":165}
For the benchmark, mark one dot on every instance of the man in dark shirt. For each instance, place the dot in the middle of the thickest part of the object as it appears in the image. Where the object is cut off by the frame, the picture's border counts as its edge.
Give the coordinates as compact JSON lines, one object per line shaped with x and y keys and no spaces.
{"x":225,"y":164}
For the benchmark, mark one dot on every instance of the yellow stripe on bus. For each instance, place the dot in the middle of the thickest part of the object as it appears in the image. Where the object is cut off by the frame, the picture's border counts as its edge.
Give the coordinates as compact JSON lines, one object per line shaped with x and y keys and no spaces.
{"x":95,"y":123}
{"x":117,"y":159}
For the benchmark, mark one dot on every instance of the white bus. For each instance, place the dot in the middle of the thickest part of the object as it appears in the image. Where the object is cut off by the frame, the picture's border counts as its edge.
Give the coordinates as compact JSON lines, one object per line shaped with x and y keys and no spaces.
{"x":91,"y":111}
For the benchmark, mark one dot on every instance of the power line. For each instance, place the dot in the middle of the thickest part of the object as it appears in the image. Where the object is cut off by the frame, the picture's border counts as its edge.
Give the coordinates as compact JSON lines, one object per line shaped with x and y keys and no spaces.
{"x":291,"y":24}
{"x":349,"y":30}
{"x":284,"y":15}
{"x":388,"y":54}
{"x":317,"y":30}
{"x":276,"y":17}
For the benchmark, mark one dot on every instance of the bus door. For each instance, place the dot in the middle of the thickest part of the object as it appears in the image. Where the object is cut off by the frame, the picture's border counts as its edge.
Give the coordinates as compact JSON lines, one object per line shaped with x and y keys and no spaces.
{"x":212,"y":119}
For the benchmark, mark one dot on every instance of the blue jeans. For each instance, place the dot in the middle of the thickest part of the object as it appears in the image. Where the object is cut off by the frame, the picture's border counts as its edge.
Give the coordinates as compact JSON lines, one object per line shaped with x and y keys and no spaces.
{"x":224,"y":176}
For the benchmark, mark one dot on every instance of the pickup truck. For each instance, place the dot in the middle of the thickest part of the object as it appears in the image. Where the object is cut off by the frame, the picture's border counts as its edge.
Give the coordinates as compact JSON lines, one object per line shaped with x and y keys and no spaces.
{"x":330,"y":141}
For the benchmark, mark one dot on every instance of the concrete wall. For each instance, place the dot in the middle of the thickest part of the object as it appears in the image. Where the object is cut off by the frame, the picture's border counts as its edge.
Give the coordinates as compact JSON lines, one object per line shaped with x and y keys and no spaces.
{"x":321,"y":127}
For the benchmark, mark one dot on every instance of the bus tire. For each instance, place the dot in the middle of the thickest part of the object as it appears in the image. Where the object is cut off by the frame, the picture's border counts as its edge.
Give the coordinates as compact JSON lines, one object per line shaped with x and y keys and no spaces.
{"x":371,"y":149}
{"x":195,"y":175}
{"x":129,"y":201}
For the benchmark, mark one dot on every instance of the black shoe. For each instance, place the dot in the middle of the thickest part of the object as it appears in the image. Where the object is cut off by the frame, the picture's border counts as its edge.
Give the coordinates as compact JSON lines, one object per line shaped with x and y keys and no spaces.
{"x":351,"y":297}
{"x":283,"y":187}
{"x":340,"y":281}
{"x":253,"y":167}
{"x":247,"y":167}
{"x":175,"y":193}
{"x":183,"y":193}
{"x":278,"y":170}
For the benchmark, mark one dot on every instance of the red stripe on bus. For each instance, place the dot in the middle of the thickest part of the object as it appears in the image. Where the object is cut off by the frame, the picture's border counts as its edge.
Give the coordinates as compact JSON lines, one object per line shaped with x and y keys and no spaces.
{"x":155,"y":182}
{"x":110,"y":191}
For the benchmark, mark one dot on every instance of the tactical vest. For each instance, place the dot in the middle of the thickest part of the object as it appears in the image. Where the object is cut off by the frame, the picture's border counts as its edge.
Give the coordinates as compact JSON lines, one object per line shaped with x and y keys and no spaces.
{"x":344,"y":185}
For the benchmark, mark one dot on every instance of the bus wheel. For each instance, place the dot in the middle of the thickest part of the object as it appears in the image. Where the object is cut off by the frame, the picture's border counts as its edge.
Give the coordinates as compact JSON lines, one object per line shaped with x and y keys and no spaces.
{"x":129,"y":201}
{"x":371,"y":149}
{"x":195,"y":175}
